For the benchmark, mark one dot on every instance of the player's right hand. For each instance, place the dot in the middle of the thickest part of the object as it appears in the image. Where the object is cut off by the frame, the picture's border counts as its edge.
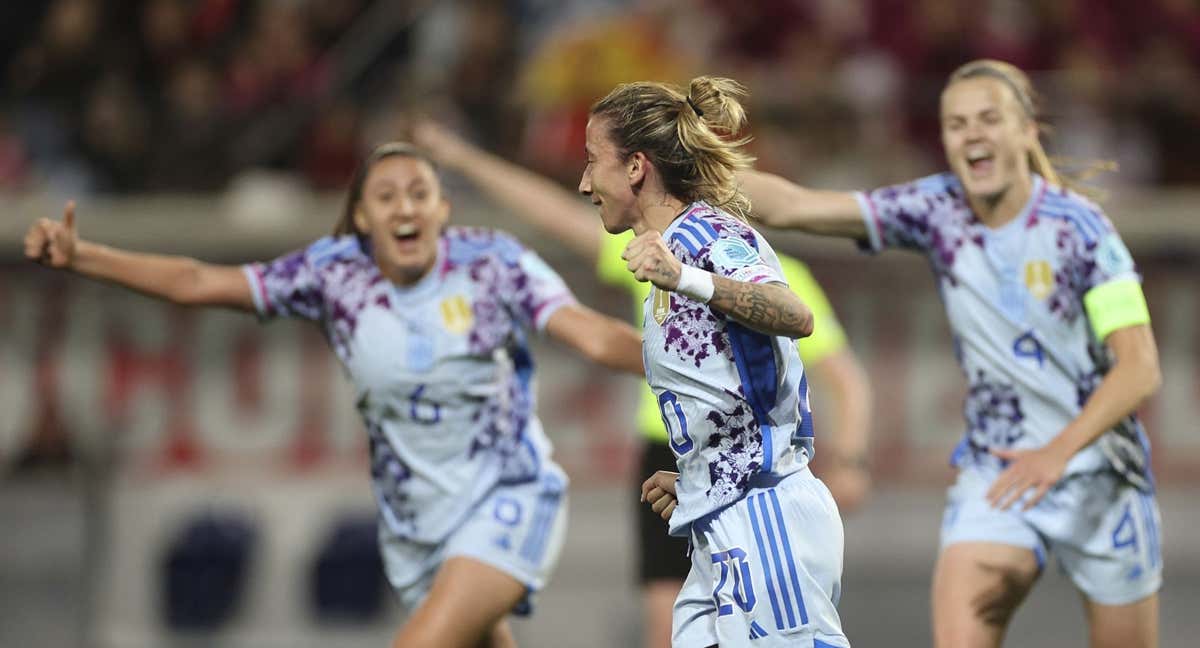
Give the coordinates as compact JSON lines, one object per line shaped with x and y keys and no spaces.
{"x":52,"y":243}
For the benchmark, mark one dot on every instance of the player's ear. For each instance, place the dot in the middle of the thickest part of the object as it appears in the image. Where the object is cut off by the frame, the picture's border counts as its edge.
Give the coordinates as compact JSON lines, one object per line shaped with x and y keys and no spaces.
{"x":636,"y":168}
{"x":360,"y":219}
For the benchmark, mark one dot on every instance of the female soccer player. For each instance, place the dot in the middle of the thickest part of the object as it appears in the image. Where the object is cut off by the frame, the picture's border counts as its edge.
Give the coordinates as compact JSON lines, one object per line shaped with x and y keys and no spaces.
{"x":431,"y":323}
{"x":663,"y":563}
{"x":1050,"y":326}
{"x":718,"y":326}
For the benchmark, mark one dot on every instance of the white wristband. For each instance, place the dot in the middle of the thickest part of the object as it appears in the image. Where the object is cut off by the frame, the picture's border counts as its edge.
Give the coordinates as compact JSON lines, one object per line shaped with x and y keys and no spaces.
{"x":695,"y":283}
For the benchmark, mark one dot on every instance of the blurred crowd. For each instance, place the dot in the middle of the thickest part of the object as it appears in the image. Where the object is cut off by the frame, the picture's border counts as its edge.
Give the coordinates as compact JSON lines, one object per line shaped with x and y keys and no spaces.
{"x":120,"y":96}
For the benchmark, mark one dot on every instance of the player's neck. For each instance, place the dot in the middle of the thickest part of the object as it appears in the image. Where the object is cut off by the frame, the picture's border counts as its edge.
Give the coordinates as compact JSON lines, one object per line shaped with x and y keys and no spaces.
{"x":999,"y":209}
{"x":659,"y":210}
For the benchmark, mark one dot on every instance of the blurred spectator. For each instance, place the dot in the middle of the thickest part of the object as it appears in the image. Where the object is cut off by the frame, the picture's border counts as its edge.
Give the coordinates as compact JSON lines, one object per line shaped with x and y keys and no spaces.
{"x":582,"y":62}
{"x":330,"y":152}
{"x":276,"y":64}
{"x":14,"y":159}
{"x":190,"y":151}
{"x":220,"y":86}
{"x":115,"y":135}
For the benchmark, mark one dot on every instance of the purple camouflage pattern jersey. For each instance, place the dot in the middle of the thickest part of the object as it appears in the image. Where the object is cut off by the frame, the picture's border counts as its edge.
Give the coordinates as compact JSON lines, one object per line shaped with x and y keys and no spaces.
{"x":734,"y":401}
{"x":1014,"y":299}
{"x":441,"y":369}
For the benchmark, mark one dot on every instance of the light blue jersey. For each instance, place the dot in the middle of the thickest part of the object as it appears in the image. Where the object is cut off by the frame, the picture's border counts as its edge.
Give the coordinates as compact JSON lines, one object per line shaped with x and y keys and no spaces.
{"x":765,"y":533}
{"x":735,"y":401}
{"x":442,"y":369}
{"x":1014,"y":297}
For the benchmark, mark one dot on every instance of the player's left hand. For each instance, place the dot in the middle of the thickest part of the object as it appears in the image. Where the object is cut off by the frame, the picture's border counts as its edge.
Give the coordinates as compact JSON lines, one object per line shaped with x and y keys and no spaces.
{"x":648,"y":258}
{"x":1038,"y":469}
{"x":659,"y":492}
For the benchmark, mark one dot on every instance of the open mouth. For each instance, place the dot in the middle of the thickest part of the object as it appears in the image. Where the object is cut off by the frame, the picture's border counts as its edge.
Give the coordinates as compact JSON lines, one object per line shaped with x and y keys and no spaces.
{"x":406,"y":232}
{"x":980,"y":162}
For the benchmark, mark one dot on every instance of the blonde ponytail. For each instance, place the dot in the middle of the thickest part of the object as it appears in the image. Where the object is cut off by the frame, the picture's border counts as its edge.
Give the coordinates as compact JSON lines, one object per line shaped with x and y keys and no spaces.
{"x":692,"y":139}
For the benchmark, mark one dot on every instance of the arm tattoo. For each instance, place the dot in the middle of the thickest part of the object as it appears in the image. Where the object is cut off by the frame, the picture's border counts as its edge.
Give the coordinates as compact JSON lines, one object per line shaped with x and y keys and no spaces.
{"x":767,"y":308}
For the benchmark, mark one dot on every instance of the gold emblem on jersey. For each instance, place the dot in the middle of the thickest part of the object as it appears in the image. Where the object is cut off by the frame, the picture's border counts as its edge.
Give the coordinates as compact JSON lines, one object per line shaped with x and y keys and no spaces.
{"x":661,"y":304}
{"x":456,"y":314}
{"x":1039,"y":279}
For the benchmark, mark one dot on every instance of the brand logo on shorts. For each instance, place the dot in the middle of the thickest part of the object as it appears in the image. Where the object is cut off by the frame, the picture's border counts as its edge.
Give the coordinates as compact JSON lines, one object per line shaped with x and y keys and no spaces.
{"x":1039,"y":279}
{"x":456,"y":314}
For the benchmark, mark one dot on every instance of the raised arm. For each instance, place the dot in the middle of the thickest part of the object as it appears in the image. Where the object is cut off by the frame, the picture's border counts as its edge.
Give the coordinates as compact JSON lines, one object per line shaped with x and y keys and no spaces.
{"x":765,"y":307}
{"x":177,"y":279}
{"x":780,"y":203}
{"x":598,"y":337}
{"x":534,"y":199}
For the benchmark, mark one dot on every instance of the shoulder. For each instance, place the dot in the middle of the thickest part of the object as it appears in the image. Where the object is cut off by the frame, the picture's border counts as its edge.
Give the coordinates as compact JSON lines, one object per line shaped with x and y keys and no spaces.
{"x":934,"y":196}
{"x":944,"y":183}
{"x":939,"y":186}
{"x":1080,"y":217}
{"x":704,"y":227}
{"x":472,"y":244}
{"x":332,"y":249}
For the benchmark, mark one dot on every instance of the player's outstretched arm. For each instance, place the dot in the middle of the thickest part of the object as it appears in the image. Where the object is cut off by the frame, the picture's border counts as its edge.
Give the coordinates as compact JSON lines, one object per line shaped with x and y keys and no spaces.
{"x":178,"y":279}
{"x":781,"y":203}
{"x":535,"y":199}
{"x":598,"y":337}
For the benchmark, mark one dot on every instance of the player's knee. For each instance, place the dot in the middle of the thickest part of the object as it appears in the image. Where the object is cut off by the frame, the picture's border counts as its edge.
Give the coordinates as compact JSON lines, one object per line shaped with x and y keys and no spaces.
{"x":424,"y":634}
{"x":995,"y":604}
{"x":1124,"y":626}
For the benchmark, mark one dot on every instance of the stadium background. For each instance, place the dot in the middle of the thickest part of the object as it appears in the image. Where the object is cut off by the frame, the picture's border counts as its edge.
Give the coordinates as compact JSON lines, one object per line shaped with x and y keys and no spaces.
{"x":224,"y":128}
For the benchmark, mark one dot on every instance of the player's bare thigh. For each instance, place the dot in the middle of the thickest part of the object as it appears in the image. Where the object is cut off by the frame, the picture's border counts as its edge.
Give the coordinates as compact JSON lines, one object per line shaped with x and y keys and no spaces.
{"x":976,"y":588}
{"x":466,"y":608}
{"x":1133,"y":625}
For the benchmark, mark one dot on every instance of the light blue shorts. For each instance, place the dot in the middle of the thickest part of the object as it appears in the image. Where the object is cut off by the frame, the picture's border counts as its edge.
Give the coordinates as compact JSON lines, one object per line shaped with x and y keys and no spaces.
{"x":518,"y":529}
{"x":766,"y":571}
{"x":1103,"y":531}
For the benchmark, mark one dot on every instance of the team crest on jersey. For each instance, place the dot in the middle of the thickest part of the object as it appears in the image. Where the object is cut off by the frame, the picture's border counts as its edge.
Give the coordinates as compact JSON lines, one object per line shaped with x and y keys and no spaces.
{"x":456,"y":314}
{"x":661,"y":305}
{"x":733,"y":253}
{"x":1039,"y":278}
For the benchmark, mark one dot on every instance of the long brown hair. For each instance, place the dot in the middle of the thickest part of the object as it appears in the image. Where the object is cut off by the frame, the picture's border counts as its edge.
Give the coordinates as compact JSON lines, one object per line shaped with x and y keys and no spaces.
{"x":1027,"y":98}
{"x":691,"y":138}
{"x":345,"y":224}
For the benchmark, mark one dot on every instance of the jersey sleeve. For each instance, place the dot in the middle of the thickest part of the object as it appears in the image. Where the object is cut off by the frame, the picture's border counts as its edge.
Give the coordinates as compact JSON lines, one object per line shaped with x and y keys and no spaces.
{"x":828,"y":337}
{"x":903,"y":215}
{"x":287,"y":286}
{"x":733,"y":257}
{"x":534,"y":290}
{"x":1109,"y":283}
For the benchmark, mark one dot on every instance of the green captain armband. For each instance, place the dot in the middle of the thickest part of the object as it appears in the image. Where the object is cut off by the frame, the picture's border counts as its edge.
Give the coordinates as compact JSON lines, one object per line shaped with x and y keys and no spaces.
{"x":1115,"y":305}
